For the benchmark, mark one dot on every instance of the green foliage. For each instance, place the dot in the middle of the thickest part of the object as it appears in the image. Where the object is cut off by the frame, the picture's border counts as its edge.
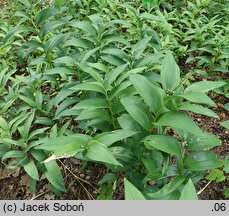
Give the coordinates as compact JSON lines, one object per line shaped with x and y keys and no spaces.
{"x":107,"y":89}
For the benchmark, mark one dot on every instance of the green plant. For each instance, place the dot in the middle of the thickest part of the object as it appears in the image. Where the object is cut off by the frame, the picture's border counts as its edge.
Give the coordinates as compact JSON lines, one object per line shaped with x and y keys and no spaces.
{"x":218,"y":175}
{"x":103,"y":89}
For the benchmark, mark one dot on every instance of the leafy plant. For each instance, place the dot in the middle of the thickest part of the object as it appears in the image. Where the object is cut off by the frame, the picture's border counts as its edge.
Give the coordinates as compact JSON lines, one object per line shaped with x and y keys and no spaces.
{"x":104,"y":89}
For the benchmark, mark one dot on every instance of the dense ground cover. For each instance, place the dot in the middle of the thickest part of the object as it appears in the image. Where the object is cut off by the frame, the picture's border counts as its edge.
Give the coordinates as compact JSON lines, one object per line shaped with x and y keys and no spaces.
{"x":114,"y":99}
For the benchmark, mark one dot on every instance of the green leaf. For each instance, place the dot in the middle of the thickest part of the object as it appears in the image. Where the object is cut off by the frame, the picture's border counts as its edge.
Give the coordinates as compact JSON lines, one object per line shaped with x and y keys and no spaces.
{"x":91,"y":71}
{"x":27,"y":100}
{"x":64,"y":92}
{"x":170,"y":73}
{"x":79,"y":42}
{"x":54,"y":176}
{"x":226,"y":193}
{"x":85,"y":27}
{"x":117,"y":53}
{"x":140,"y":47}
{"x":163,"y":143}
{"x":62,"y":71}
{"x":189,"y":192}
{"x":226,"y":106}
{"x":152,"y":17}
{"x":216,"y":175}
{"x":13,"y":154}
{"x":129,"y":72}
{"x":21,"y":13}
{"x":44,"y":15}
{"x":99,"y":152}
{"x":28,"y":124}
{"x":3,"y":124}
{"x":59,"y":142}
{"x":53,"y":42}
{"x":204,"y":86}
{"x":119,"y":88}
{"x":69,"y":149}
{"x":31,"y":170}
{"x":17,"y":30}
{"x":179,"y":120}
{"x":168,"y":188}
{"x":128,"y":123}
{"x":94,"y":114}
{"x":89,"y":86}
{"x":111,"y":77}
{"x":92,"y":103}
{"x":113,"y":38}
{"x":198,"y":109}
{"x":131,"y":192}
{"x":152,"y":94}
{"x":67,"y":60}
{"x":108,"y":138}
{"x":108,"y":178}
{"x":207,"y":140}
{"x":225,"y":124}
{"x":226,"y":165}
{"x":34,"y":133}
{"x":112,"y":59}
{"x":25,"y":2}
{"x":88,"y":54}
{"x":138,"y":112}
{"x":201,"y":161}
{"x":198,"y":97}
{"x":51,"y":26}
{"x":149,"y":59}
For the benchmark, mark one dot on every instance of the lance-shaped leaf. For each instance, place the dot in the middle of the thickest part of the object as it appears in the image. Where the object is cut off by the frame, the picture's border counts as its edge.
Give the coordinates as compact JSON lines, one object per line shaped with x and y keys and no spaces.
{"x":226,"y":165}
{"x":198,"y":97}
{"x":204,"y":86}
{"x":94,"y":114}
{"x":99,"y":152}
{"x":152,"y":94}
{"x":62,"y":71}
{"x":92,"y":103}
{"x":44,"y":15}
{"x":54,"y":176}
{"x":117,"y":53}
{"x":189,"y":192}
{"x":163,"y":143}
{"x":111,"y":77}
{"x":170,"y":73}
{"x":201,"y":161}
{"x":138,"y":111}
{"x":108,"y":138}
{"x":87,"y":69}
{"x":207,"y":140}
{"x":198,"y":109}
{"x":131,"y":192}
{"x":141,"y":46}
{"x":89,"y":86}
{"x":179,"y":120}
{"x":80,"y":43}
{"x":51,"y":26}
{"x":225,"y":124}
{"x":113,"y":38}
{"x":17,"y":30}
{"x":54,"y":41}
{"x":31,"y":170}
{"x":60,"y":142}
{"x":168,"y":188}
{"x":87,"y":27}
{"x":129,"y":72}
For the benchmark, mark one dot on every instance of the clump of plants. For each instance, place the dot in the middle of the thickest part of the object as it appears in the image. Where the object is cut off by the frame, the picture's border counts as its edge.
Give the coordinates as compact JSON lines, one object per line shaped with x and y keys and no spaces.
{"x":102,"y":89}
